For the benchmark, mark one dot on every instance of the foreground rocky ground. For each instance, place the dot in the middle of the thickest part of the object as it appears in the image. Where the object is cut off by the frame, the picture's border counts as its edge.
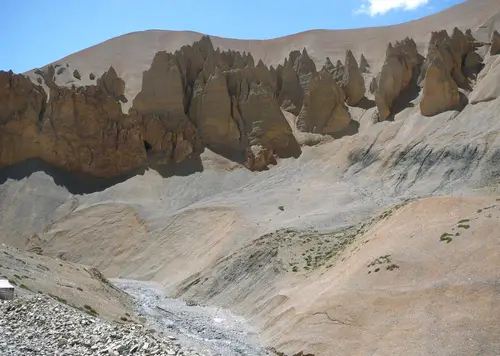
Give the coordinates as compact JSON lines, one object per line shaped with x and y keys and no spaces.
{"x":39,"y":325}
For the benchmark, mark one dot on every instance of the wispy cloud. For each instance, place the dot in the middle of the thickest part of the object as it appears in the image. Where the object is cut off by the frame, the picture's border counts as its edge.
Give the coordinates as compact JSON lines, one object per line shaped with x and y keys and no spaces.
{"x":380,"y":7}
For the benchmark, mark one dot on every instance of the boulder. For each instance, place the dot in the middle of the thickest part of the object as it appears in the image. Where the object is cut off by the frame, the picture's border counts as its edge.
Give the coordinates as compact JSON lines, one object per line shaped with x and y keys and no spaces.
{"x":258,"y":158}
{"x":76,"y":74}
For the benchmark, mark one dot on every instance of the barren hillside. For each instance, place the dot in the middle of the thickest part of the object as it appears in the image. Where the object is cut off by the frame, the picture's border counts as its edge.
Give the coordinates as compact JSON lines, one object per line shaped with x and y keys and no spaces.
{"x":340,"y":208}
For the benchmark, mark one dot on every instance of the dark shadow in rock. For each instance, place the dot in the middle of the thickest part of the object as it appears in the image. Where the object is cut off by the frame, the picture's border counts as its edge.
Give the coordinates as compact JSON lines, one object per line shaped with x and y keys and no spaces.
{"x":233,"y":154}
{"x":75,"y":183}
{"x":183,"y":169}
{"x":365,"y":103}
{"x":464,"y":101}
{"x":404,"y":100}
{"x":350,"y":130}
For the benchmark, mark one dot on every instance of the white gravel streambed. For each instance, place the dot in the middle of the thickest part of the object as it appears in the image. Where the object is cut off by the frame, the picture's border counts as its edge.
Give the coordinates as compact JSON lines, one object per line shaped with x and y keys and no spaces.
{"x":209,"y":330}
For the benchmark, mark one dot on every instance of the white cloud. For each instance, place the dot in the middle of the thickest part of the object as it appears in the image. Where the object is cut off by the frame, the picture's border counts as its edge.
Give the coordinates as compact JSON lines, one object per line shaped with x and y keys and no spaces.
{"x":380,"y":7}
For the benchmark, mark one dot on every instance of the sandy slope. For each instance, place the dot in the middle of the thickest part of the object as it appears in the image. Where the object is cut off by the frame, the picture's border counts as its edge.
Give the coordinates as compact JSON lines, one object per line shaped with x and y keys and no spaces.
{"x":131,"y":54}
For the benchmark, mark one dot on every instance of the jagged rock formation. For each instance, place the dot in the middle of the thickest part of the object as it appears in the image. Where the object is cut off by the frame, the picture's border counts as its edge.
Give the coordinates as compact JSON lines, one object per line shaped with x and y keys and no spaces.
{"x":211,"y":110}
{"x":323,"y":109}
{"x":350,"y":79}
{"x":440,"y":90}
{"x":288,"y":86}
{"x":399,"y":70}
{"x":315,"y":98}
{"x":495,"y":43}
{"x":76,"y":74}
{"x":79,"y":129}
{"x":364,"y":67}
{"x":112,"y":85}
{"x":200,"y":97}
{"x":453,"y":51}
{"x":195,"y":97}
{"x":451,"y":63}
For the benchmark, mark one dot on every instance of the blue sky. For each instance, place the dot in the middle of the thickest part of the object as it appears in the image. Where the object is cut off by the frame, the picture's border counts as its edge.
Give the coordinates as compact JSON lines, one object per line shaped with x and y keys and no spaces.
{"x":36,"y":32}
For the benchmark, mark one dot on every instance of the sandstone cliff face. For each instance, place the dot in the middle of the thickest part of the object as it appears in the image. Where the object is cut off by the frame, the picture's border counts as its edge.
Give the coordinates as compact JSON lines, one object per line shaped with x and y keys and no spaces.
{"x":22,"y":106}
{"x":79,"y":129}
{"x":400,"y":68}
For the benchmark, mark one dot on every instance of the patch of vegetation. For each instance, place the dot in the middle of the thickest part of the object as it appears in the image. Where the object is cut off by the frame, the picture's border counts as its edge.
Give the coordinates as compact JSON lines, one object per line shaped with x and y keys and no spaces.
{"x":463,"y":221}
{"x":392,"y":267}
{"x":89,"y":310}
{"x":80,"y":289}
{"x":382,"y":260}
{"x":463,"y":226}
{"x":446,"y":237}
{"x":479,"y":211}
{"x":11,"y":281}
{"x":24,"y":286}
{"x":59,"y":299}
{"x":123,"y":318}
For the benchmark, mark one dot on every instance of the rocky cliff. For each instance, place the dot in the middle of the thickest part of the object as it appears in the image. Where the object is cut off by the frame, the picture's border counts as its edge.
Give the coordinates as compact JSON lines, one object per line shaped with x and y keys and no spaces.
{"x":201,"y":97}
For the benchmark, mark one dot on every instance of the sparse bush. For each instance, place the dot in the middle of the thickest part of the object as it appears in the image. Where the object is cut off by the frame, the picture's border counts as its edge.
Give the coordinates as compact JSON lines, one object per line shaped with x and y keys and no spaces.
{"x":464,"y":226}
{"x":446,"y":237}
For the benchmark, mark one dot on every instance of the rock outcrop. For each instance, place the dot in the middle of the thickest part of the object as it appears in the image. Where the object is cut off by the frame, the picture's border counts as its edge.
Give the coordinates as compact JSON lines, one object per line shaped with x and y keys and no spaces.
{"x":258,"y":158}
{"x":211,"y":111}
{"x":451,"y":63}
{"x":79,"y":129}
{"x":350,"y":79}
{"x":76,"y":74}
{"x":495,"y":43}
{"x":201,"y":97}
{"x":364,"y":67}
{"x":323,"y":109}
{"x":159,"y":106}
{"x":400,"y":69}
{"x":112,"y":85}
{"x":440,"y":91}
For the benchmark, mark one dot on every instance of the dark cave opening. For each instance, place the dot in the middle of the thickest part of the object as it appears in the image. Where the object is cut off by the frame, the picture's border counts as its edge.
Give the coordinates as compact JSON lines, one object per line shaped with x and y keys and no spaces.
{"x":147,"y":146}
